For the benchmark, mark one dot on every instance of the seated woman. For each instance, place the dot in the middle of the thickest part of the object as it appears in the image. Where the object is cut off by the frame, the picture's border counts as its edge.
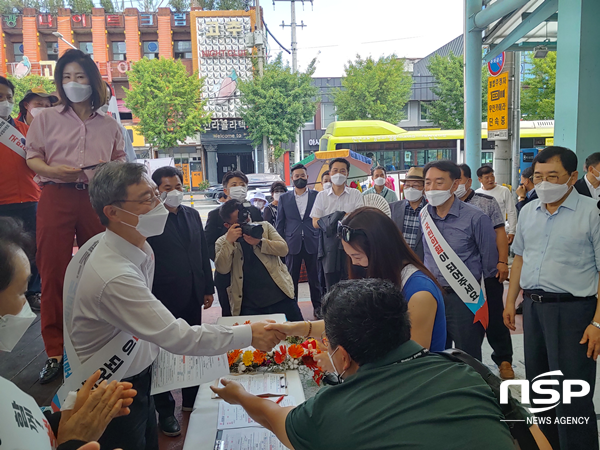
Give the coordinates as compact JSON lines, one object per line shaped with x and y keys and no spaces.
{"x":377,"y":250}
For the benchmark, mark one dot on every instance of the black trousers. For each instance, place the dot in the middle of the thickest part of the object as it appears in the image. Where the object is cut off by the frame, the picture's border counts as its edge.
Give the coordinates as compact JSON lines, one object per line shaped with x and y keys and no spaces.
{"x":289,"y":307}
{"x":465,"y":334}
{"x":26,"y":212}
{"x":165,"y":403}
{"x":551,"y":334}
{"x":138,"y":430}
{"x":497,"y":334}
{"x":294,"y":265}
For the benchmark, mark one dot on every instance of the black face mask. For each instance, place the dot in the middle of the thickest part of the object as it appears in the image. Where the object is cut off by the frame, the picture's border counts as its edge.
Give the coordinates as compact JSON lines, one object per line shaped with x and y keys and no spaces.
{"x":359,"y":271}
{"x":300,"y":183}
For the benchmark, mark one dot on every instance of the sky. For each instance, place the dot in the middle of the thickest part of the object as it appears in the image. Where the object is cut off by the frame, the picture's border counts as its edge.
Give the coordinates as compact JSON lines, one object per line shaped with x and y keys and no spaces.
{"x":341,"y":29}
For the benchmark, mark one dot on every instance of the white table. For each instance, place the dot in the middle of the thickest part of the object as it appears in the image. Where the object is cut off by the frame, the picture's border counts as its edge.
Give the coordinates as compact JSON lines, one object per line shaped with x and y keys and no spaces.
{"x":202,"y":428}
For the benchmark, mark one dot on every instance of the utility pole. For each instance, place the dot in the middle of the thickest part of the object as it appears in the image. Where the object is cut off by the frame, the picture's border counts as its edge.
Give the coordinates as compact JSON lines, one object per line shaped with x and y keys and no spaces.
{"x":293,"y":25}
{"x":261,"y":61}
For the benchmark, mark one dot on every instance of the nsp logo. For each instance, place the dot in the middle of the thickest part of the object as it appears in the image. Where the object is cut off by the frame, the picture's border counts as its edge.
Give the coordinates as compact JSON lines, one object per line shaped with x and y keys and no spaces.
{"x":542,"y":387}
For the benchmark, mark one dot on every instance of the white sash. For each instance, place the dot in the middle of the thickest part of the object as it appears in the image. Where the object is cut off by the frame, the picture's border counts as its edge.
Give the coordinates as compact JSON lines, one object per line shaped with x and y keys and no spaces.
{"x":22,"y":424}
{"x":112,"y":360}
{"x":11,"y":137}
{"x":454,"y":271}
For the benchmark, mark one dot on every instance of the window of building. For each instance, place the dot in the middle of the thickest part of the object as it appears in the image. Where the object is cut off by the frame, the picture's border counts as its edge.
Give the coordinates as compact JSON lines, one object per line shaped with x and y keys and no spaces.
{"x":424,"y":110}
{"x":405,"y":113}
{"x":18,"y":51}
{"x":150,"y":49}
{"x":327,"y":114}
{"x":87,"y":48}
{"x":487,"y":158}
{"x":52,"y":51}
{"x":119,"y":51}
{"x":182,"y":49}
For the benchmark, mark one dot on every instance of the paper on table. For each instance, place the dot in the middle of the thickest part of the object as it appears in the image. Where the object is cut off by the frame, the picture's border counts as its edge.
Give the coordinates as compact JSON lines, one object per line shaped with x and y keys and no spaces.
{"x":261,"y":383}
{"x":234,"y":416}
{"x":171,"y":371}
{"x":250,"y":439}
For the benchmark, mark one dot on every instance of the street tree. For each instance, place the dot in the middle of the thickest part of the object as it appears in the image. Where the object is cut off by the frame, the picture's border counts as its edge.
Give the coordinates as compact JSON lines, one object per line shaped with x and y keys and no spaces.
{"x":81,"y":6}
{"x":277,"y":104}
{"x":109,"y":7}
{"x":166,"y":100}
{"x":22,"y":85}
{"x":373,"y":90}
{"x":538,"y":88}
{"x":448,"y":111}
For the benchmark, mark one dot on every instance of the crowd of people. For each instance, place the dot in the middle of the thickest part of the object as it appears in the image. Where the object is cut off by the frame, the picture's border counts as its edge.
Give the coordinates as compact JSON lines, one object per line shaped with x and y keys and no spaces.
{"x":390,"y":288}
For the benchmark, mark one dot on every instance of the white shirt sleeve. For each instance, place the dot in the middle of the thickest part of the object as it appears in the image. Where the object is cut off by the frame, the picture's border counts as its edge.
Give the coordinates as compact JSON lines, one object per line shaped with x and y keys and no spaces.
{"x":128,"y":304}
{"x":359,"y":201}
{"x":511,"y":212}
{"x":317,"y":209}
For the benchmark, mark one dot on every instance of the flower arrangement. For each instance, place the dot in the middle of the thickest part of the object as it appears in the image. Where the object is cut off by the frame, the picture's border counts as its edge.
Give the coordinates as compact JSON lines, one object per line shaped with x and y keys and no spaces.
{"x":294,"y":353}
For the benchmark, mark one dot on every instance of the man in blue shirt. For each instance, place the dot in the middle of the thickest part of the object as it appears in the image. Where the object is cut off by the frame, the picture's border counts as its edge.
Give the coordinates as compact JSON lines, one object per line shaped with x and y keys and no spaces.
{"x":471,"y":235}
{"x":557,"y":260}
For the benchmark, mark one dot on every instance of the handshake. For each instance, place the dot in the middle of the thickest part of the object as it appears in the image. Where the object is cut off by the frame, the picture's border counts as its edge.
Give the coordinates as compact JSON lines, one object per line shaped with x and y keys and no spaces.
{"x":265,"y":339}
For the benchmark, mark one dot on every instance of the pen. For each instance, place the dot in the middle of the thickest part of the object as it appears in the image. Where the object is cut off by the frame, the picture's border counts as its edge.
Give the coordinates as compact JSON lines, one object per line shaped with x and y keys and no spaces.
{"x":280,"y":399}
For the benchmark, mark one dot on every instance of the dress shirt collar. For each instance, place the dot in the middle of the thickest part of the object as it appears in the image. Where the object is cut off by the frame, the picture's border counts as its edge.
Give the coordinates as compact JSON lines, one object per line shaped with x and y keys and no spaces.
{"x":404,"y":351}
{"x":61,"y":108}
{"x":330,"y":191}
{"x":454,"y":210}
{"x":421,"y":205}
{"x":301,"y":195}
{"x":126,"y":249}
{"x":570,"y":202}
{"x":590,"y":187}
{"x":530,"y":193}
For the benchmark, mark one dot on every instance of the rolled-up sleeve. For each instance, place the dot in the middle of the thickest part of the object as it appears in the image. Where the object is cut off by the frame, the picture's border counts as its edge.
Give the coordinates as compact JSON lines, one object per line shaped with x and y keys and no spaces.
{"x":485,"y":238}
{"x":128,"y":304}
{"x":118,"y":151}
{"x":595,"y":237}
{"x":35,"y":143}
{"x":317,"y":209}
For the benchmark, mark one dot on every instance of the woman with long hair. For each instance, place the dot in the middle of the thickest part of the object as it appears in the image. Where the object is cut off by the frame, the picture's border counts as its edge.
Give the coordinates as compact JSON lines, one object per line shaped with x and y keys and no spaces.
{"x":376,"y":249}
{"x":64,"y":145}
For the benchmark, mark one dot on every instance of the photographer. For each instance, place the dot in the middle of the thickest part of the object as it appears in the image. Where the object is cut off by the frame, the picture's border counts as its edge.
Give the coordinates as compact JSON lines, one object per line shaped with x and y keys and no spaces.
{"x":251,"y":252}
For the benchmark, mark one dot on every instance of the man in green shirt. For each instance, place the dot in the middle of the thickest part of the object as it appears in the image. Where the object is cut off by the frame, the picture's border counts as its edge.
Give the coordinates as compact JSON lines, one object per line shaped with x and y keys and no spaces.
{"x":393,"y":394}
{"x":379,"y":176}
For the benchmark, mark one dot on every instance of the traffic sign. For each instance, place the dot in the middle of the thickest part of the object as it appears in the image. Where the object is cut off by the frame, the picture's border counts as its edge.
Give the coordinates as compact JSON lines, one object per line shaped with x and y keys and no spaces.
{"x":496,"y":65}
{"x":498,"y":108}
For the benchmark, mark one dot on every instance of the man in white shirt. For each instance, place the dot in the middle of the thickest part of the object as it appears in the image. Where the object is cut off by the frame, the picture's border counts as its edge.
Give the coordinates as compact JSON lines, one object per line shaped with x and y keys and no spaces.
{"x":485,"y":175}
{"x":589,"y":184}
{"x":338,"y":197}
{"x":114,"y":295}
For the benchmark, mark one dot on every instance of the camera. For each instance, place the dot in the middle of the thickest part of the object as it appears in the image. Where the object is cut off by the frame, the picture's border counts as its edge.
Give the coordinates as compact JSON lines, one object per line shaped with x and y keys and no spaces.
{"x":254,"y":230}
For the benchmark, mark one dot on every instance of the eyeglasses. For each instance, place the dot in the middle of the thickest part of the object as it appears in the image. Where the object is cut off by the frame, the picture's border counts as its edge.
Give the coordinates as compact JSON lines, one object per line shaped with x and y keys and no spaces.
{"x":147,"y":201}
{"x":550,"y":178}
{"x":346,"y":233}
{"x":414,"y":184}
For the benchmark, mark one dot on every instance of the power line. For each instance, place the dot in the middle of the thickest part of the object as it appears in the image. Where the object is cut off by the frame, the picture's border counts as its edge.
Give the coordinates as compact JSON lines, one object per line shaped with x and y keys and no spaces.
{"x":274,"y":38}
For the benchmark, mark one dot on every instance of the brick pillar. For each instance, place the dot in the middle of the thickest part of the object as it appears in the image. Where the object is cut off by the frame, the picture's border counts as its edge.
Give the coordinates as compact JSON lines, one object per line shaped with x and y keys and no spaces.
{"x":64,"y":28}
{"x":132,"y":34}
{"x":2,"y":52}
{"x":165,"y":35}
{"x":31,"y":47}
{"x":99,"y":37}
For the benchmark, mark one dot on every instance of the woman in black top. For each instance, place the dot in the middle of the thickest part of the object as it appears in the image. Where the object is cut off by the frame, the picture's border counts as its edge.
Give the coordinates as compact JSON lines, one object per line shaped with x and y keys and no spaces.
{"x":270,"y":212}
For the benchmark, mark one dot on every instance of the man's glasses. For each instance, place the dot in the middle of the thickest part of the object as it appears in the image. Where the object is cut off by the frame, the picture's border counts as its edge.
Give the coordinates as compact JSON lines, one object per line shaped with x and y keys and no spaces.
{"x":550,"y":178}
{"x":151,"y":199}
{"x":346,"y":233}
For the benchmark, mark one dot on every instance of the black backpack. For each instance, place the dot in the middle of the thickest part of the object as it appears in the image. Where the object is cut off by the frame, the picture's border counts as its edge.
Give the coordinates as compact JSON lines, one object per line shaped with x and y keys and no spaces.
{"x":512,"y":411}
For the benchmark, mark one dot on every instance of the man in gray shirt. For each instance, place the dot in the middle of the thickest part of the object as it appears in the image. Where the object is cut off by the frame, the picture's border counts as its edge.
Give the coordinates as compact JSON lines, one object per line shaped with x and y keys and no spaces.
{"x":498,"y":335}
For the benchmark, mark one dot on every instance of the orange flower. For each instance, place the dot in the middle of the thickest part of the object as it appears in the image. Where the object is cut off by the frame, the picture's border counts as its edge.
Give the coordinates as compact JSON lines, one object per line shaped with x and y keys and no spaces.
{"x":247,"y":322}
{"x":259,"y":357}
{"x":232,"y":356}
{"x":296,"y":351}
{"x":247,"y":358}
{"x":280,"y":354}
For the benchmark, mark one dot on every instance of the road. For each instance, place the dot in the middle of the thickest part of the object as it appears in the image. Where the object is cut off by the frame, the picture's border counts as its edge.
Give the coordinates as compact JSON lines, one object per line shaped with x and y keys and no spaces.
{"x":203,"y":206}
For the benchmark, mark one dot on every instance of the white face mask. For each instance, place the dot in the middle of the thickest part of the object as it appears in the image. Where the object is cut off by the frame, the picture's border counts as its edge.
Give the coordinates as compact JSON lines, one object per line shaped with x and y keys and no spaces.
{"x":550,"y":192}
{"x":338,"y":179}
{"x":238,"y":193}
{"x":437,"y":198}
{"x":338,"y":375}
{"x":173,"y":198}
{"x":35,"y":111}
{"x":103,"y":109}
{"x":461,"y":190}
{"x":326,"y":185}
{"x":77,"y":92}
{"x":276,"y":196}
{"x":152,"y":223}
{"x":259,"y":204}
{"x":6,"y":108}
{"x":12,"y":328}
{"x":412,"y":194}
{"x":379,"y":181}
